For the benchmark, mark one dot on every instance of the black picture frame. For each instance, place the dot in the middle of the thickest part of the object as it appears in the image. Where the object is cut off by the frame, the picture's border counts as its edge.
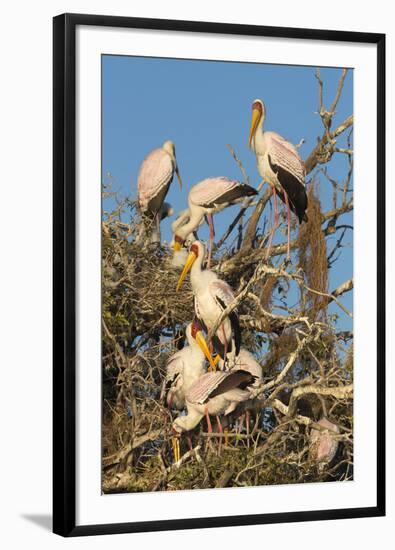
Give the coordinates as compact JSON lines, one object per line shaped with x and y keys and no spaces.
{"x":64,"y":273}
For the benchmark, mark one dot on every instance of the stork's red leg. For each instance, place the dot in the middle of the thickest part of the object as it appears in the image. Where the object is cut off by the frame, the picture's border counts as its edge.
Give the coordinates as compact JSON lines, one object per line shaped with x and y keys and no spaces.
{"x":239,"y":428}
{"x":220,"y":430}
{"x":212,"y":235}
{"x":209,"y":426}
{"x":289,"y":224}
{"x":275,"y":223}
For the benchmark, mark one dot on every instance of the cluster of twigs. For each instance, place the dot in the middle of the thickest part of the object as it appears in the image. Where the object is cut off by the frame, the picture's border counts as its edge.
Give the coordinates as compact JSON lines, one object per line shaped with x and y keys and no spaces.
{"x":307,"y":361}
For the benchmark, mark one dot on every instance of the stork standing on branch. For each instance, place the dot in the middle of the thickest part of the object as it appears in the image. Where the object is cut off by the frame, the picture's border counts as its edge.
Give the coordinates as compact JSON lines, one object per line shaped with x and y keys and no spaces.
{"x":185,"y":366}
{"x":214,"y":394}
{"x":245,"y":361}
{"x":212,"y":296}
{"x":280,"y":165}
{"x":153,"y":182}
{"x":183,"y":369}
{"x":207,"y":198}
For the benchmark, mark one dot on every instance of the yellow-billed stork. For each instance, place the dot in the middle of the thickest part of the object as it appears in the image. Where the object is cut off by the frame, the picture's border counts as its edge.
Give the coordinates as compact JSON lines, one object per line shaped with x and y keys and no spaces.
{"x":212,"y":297}
{"x":207,"y":198}
{"x":183,"y":369}
{"x":154,"y":179}
{"x":280,"y":165}
{"x":214,"y":394}
{"x":185,"y":366}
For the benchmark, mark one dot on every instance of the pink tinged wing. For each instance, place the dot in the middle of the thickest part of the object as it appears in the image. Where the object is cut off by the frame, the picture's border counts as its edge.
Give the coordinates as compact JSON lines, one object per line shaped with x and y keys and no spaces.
{"x":200,"y":391}
{"x":175,"y":366}
{"x":223,"y":295}
{"x":156,"y":171}
{"x":285,"y":154}
{"x":210,"y":189}
{"x":221,"y":289}
{"x":246,"y":361}
{"x":326,"y":444}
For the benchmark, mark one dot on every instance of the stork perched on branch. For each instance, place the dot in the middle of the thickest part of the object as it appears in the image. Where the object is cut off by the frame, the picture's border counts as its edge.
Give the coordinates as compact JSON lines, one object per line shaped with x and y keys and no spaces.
{"x":207,"y":198}
{"x":214,"y":393}
{"x":183,"y":369}
{"x":185,"y":366}
{"x":212,"y":296}
{"x":281,"y":167}
{"x":153,"y":182}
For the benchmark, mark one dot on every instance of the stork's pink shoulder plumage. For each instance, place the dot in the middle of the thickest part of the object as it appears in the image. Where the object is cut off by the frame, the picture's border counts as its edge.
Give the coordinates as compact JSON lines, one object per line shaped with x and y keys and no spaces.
{"x":210,"y":189}
{"x":246,"y":361}
{"x":200,"y":391}
{"x":156,"y":171}
{"x":222,"y":290}
{"x":284,"y":154}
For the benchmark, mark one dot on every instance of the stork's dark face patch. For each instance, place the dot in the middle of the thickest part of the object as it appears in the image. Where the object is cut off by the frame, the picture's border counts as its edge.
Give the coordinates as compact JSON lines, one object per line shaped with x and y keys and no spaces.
{"x":195,"y":249}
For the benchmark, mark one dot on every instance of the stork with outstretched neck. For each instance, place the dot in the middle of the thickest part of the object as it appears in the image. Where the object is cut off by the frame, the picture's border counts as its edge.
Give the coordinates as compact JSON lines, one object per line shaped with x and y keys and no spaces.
{"x":280,"y":165}
{"x":207,"y":198}
{"x":212,"y":297}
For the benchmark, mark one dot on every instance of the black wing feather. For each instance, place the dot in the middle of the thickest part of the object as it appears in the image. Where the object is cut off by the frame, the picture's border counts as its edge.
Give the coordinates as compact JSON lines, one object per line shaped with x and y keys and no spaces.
{"x":237,"y":379}
{"x":233,"y":195}
{"x":235,"y":324}
{"x":294,"y":188}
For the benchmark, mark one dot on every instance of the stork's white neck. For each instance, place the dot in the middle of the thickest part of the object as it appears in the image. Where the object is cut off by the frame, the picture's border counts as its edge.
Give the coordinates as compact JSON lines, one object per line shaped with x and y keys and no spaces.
{"x":193,"y":370}
{"x":188,"y":422}
{"x":200,"y":278}
{"x":195,"y":217}
{"x":195,"y":348}
{"x":258,"y":139}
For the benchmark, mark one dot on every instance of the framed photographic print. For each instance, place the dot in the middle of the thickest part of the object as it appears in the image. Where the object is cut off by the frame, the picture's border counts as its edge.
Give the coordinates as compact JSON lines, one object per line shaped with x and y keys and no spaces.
{"x":219,"y":275}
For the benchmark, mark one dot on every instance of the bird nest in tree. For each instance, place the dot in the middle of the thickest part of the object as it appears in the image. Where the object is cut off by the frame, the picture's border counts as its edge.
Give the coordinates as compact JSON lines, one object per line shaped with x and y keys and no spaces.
{"x":143,"y":324}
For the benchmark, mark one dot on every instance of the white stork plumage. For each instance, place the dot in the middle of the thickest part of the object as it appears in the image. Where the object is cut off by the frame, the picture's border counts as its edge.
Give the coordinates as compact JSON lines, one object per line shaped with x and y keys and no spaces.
{"x":207,"y":198}
{"x":212,"y":296}
{"x":213,"y":394}
{"x":186,"y":365}
{"x":245,"y":361}
{"x":280,"y":165}
{"x":154,"y":179}
{"x":180,"y":254}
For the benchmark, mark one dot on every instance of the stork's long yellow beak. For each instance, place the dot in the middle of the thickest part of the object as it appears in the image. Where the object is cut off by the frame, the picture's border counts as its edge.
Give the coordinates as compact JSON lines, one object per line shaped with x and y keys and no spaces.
{"x":256,"y":116}
{"x":200,"y":339}
{"x":177,"y":246}
{"x":178,"y":176}
{"x":188,"y":264}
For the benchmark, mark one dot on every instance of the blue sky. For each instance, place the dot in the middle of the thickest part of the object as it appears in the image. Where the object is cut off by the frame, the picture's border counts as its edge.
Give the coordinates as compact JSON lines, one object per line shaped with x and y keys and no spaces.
{"x":202,"y":106}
